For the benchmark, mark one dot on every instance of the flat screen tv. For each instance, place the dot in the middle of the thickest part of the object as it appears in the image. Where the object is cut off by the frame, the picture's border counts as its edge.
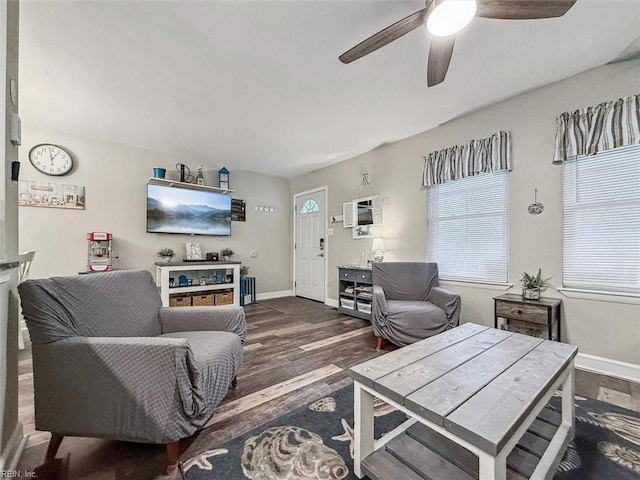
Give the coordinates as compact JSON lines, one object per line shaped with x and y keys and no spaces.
{"x":173,"y":209}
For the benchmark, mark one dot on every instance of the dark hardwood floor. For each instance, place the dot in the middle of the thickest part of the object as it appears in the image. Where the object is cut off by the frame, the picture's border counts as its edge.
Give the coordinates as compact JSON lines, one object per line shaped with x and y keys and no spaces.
{"x":297,"y":351}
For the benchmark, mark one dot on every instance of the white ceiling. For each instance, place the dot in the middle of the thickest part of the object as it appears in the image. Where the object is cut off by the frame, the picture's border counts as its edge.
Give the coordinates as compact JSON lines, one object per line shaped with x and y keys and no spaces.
{"x":257,"y":85}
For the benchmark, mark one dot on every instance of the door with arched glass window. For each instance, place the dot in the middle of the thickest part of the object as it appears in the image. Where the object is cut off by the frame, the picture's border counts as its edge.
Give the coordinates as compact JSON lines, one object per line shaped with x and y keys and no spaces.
{"x":310,"y":245}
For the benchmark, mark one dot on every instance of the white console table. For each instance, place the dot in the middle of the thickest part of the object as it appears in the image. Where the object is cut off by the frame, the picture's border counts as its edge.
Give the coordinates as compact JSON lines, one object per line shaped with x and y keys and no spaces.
{"x":194,"y":271}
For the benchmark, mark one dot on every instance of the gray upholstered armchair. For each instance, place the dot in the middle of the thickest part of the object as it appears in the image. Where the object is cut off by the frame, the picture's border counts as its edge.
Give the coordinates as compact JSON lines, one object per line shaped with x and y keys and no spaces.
{"x":408,"y":303}
{"x":109,"y":361}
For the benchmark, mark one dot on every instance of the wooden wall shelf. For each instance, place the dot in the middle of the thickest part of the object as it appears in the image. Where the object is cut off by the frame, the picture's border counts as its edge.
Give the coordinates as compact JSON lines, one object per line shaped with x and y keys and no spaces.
{"x":191,"y":186}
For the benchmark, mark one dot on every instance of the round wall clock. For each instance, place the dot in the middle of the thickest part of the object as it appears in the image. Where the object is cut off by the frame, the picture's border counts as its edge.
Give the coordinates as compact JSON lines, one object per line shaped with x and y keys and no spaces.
{"x":51,"y":159}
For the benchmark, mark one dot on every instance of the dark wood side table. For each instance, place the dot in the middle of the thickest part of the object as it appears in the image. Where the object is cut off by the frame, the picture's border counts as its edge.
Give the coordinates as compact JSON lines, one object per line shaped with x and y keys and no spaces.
{"x":355,"y":291}
{"x":540,"y":318}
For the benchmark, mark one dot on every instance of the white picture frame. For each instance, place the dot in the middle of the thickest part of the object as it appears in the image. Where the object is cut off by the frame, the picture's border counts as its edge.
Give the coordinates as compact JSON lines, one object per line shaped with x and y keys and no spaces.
{"x":36,"y":193}
{"x":365,"y":231}
{"x":193,"y":251}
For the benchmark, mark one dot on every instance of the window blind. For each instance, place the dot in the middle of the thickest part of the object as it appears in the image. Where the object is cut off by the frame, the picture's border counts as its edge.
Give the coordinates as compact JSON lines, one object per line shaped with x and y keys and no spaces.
{"x":468,"y":227}
{"x":601,"y":221}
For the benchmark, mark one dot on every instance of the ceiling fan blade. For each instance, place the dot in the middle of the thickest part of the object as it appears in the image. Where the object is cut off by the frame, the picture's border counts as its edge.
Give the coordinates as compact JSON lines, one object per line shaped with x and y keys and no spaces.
{"x":440,"y":52}
{"x":385,"y":36}
{"x":523,"y":9}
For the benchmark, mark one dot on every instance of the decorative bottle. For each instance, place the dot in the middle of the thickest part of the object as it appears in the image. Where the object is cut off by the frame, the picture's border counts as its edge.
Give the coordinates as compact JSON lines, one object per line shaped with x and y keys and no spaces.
{"x":200,"y":176}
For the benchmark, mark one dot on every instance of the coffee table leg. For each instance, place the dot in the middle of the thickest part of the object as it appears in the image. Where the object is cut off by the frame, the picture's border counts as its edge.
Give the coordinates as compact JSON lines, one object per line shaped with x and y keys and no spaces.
{"x":568,"y":401}
{"x":492,"y":468}
{"x":363,"y":427}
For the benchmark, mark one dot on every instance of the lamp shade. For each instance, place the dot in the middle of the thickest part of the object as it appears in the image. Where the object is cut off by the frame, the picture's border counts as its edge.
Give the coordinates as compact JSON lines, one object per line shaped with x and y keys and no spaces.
{"x":378,"y":244}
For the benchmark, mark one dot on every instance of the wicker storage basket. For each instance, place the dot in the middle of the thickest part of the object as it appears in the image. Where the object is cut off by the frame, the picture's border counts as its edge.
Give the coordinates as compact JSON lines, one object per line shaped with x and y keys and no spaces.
{"x":224,"y":298}
{"x":180,"y":301}
{"x":205,"y":299}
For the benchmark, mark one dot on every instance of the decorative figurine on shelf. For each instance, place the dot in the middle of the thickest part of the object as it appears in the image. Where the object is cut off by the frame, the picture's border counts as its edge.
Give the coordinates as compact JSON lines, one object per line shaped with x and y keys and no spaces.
{"x":223,"y":178}
{"x":200,"y":176}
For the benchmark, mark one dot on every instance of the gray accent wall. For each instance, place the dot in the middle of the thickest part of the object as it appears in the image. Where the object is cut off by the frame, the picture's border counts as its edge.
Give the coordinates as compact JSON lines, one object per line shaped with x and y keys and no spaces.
{"x":604,"y":326}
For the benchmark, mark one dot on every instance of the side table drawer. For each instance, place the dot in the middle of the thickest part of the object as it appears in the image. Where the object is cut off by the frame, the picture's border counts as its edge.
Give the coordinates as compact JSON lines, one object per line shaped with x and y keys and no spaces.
{"x":347,"y":274}
{"x":363,"y":277}
{"x":521,"y":311}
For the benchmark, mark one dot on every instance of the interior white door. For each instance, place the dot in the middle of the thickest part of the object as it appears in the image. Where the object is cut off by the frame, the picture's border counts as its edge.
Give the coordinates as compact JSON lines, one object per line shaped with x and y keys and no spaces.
{"x":310,"y":245}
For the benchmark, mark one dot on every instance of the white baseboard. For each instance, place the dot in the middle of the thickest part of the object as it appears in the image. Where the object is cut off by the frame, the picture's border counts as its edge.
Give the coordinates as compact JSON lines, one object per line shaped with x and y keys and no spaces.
{"x":331,"y":302}
{"x":268,"y":295}
{"x":605,"y":366}
{"x":12,"y":452}
{"x":290,"y":293}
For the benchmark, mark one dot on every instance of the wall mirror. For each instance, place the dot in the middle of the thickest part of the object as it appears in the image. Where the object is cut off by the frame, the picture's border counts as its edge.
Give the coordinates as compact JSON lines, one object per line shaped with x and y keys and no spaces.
{"x":362,"y":212}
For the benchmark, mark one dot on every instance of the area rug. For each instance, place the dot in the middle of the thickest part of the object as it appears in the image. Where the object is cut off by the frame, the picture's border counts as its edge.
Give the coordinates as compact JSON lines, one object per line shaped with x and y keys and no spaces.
{"x":316,"y":442}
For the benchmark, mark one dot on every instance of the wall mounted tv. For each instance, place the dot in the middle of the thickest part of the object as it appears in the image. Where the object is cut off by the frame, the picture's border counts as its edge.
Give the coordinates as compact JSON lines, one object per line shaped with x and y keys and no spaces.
{"x":175,"y":209}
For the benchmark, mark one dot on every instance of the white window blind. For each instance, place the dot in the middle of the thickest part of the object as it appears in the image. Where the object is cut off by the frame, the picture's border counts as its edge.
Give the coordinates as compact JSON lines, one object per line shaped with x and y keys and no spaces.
{"x":468,"y":227}
{"x":601,"y":221}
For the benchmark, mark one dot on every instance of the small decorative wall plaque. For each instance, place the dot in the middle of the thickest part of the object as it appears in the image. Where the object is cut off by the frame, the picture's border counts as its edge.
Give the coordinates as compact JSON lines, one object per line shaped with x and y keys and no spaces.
{"x":238,"y":210}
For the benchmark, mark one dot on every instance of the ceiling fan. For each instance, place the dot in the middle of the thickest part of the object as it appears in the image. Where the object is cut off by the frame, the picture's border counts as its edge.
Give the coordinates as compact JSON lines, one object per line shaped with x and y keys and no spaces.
{"x":444,"y":18}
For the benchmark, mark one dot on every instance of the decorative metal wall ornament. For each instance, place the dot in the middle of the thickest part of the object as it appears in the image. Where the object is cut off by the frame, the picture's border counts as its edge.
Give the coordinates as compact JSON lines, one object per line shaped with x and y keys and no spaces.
{"x":535,"y":208}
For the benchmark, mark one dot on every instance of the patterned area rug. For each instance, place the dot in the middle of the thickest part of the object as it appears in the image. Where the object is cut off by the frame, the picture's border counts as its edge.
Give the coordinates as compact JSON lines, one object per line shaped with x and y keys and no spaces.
{"x":315,"y":442}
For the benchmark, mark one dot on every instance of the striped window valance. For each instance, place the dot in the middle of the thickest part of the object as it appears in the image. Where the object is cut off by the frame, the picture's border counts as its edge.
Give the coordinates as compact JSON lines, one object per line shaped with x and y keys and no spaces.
{"x":602,"y":127}
{"x":485,"y":155}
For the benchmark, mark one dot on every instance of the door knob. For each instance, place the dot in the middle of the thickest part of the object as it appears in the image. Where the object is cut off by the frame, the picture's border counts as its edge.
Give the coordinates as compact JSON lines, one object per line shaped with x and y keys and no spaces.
{"x":321,"y":254}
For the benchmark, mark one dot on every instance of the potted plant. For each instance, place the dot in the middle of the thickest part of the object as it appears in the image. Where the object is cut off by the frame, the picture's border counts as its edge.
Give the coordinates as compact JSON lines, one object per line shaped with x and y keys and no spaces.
{"x":226,"y":254}
{"x":166,"y":253}
{"x":532,"y":285}
{"x":244,"y":271}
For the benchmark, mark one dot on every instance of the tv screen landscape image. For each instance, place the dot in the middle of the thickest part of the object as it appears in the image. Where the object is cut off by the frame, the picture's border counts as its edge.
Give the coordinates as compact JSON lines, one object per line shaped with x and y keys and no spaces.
{"x":187,"y":211}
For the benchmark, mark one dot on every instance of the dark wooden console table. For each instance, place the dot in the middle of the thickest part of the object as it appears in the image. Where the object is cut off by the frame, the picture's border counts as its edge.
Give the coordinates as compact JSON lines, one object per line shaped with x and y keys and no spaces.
{"x":540,"y":318}
{"x":355,"y":291}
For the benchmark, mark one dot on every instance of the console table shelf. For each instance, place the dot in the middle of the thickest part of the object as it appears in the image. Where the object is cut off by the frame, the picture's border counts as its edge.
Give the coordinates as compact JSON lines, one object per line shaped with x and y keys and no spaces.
{"x":355,"y":291}
{"x":195,"y":271}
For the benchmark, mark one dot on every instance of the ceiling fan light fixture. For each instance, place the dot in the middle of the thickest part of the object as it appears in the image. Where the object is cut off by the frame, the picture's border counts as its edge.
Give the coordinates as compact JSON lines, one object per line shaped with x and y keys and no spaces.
{"x":450,"y":16}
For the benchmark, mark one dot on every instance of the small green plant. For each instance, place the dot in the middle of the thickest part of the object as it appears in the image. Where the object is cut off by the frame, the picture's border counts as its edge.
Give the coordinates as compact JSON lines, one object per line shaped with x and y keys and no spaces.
{"x":166,"y":252}
{"x":226,"y":252}
{"x":534,"y":282}
{"x":244,"y":271}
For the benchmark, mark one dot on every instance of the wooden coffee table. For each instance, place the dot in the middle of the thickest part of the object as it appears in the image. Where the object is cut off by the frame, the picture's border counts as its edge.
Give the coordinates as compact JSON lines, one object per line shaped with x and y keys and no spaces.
{"x":476,"y":401}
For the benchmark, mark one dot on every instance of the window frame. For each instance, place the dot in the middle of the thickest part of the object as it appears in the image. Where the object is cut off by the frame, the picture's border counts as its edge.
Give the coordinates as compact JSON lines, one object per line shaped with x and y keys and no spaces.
{"x":571,"y":205}
{"x":498,"y":184}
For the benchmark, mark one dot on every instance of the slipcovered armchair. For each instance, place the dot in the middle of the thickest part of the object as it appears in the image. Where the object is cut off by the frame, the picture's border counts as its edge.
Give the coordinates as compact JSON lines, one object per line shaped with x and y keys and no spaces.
{"x":408,"y":303}
{"x":109,"y":361}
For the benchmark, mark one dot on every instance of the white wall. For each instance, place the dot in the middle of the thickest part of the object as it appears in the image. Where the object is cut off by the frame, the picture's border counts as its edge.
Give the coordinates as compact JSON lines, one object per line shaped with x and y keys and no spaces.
{"x":114,"y":177}
{"x":609,"y":329}
{"x":10,"y":428}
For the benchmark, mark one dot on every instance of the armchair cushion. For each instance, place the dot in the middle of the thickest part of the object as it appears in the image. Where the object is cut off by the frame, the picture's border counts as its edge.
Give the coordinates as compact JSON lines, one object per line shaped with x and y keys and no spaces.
{"x":106,"y":304}
{"x":407,"y":321}
{"x":228,"y":319}
{"x":406,"y":280}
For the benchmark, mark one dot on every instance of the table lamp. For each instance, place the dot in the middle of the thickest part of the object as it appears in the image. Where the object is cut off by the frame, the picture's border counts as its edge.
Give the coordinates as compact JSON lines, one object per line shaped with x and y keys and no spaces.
{"x":377,"y":247}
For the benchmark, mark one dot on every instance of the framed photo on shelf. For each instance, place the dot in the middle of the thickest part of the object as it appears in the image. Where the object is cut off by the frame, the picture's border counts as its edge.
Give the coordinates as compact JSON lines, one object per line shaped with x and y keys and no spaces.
{"x":193,"y":251}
